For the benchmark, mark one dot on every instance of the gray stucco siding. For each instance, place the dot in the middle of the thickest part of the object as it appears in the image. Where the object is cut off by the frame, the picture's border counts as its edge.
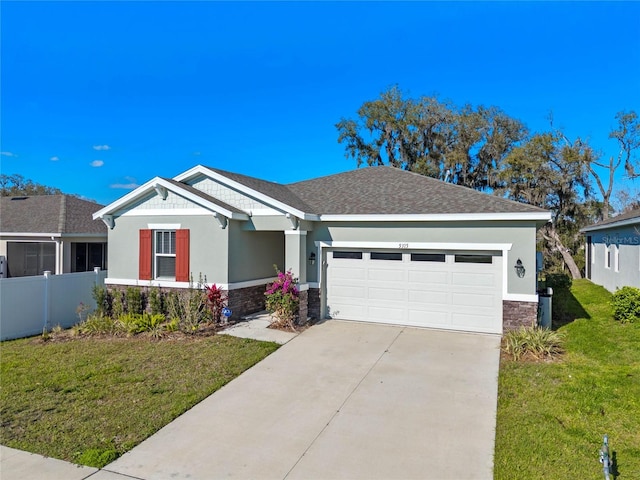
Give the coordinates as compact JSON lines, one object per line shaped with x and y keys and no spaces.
{"x":521,"y":235}
{"x":252,"y":255}
{"x":626,"y":240}
{"x":208,"y":245}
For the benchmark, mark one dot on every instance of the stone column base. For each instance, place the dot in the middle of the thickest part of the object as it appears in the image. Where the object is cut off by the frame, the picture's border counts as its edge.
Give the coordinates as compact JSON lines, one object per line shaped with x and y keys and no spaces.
{"x":518,"y":314}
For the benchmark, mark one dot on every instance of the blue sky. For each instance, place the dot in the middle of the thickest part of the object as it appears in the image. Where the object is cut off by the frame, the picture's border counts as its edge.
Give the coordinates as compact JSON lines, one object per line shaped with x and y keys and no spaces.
{"x":98,"y":97}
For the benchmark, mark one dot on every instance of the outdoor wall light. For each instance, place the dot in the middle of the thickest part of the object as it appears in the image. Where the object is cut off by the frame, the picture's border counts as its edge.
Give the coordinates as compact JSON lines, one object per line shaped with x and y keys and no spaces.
{"x":520,"y":270}
{"x":312,"y":258}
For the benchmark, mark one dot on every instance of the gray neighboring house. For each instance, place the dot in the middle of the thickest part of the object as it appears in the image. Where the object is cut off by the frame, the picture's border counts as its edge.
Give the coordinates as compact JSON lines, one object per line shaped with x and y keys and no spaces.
{"x":612,"y":251}
{"x":50,"y":232}
{"x":376,"y":244}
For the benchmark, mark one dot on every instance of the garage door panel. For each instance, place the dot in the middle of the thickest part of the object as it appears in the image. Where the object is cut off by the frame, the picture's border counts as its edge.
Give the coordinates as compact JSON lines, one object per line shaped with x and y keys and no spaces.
{"x":386,"y":275}
{"x":431,"y":318}
{"x":473,"y":300}
{"x":430,"y":297}
{"x":348,"y":292}
{"x":387,"y":293}
{"x":474,"y":321}
{"x":348,"y":273}
{"x":437,"y":294}
{"x":469,"y":279}
{"x":428,"y":278}
{"x":387,"y":314}
{"x":347,"y":311}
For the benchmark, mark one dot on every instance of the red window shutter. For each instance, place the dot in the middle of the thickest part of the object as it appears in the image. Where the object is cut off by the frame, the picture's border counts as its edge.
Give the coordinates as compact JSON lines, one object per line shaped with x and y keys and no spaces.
{"x":145,"y":255}
{"x":182,"y":255}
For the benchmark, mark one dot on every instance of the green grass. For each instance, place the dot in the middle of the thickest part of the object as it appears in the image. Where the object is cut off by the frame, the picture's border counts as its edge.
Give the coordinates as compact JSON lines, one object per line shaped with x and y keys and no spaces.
{"x":89,"y":400}
{"x":552,"y":415}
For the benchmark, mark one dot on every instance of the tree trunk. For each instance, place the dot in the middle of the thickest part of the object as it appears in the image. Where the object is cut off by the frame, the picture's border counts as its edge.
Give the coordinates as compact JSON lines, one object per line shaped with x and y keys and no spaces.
{"x":553,"y":237}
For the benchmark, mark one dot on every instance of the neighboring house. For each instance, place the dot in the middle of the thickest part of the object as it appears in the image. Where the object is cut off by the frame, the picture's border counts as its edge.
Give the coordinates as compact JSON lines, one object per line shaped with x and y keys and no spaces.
{"x":376,"y":244}
{"x":50,"y":232}
{"x":613,"y":251}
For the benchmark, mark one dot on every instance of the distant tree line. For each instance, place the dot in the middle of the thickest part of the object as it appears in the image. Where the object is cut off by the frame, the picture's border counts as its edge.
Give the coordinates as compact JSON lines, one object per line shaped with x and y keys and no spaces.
{"x":16,"y":185}
{"x":486,"y":149}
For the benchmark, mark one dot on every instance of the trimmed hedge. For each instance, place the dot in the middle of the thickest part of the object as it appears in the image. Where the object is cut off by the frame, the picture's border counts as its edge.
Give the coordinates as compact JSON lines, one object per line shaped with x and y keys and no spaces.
{"x":626,"y":304}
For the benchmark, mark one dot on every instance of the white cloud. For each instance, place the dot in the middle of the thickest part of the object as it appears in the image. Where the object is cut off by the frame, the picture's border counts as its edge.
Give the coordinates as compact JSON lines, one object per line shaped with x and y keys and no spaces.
{"x":101,"y":147}
{"x":130,"y":185}
{"x":8,"y":154}
{"x":124,"y":186}
{"x":97,"y":163}
{"x":54,"y":159}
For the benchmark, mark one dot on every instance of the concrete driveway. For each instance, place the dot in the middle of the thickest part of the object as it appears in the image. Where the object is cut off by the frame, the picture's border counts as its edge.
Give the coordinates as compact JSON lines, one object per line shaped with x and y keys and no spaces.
{"x":343,"y":400}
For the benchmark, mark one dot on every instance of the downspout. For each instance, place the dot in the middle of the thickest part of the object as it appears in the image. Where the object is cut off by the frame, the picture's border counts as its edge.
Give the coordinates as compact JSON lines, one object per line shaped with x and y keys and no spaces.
{"x":59,"y":255}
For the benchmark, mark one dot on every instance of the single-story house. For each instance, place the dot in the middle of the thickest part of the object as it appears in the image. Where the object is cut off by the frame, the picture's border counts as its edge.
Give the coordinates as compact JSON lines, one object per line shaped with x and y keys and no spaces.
{"x":50,"y":232}
{"x":613,"y":251}
{"x":375,"y":244}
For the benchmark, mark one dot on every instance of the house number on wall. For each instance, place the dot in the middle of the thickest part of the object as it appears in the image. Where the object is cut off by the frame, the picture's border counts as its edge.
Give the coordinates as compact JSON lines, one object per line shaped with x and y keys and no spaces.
{"x":403,"y":245}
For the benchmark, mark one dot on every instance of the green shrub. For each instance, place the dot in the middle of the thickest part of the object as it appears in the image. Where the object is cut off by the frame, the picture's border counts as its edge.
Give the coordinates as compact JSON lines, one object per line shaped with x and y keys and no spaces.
{"x":154,"y":298}
{"x":98,"y":324}
{"x":282,"y":299}
{"x":134,"y":323}
{"x":189,"y":308}
{"x":117,"y":304}
{"x":101,"y":296}
{"x":134,"y":301}
{"x":558,"y":281}
{"x":626,"y":304}
{"x":533,"y":341}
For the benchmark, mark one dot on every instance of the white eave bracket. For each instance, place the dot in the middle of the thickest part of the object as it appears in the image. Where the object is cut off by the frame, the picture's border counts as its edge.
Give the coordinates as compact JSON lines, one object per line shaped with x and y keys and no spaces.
{"x":108,"y":221}
{"x":295,"y":221}
{"x":161,"y":191}
{"x":222,"y":220}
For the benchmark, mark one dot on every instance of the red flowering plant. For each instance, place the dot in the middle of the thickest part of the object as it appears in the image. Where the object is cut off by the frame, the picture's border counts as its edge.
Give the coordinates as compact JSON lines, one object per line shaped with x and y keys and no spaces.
{"x":282,"y":299}
{"x":216,"y":300}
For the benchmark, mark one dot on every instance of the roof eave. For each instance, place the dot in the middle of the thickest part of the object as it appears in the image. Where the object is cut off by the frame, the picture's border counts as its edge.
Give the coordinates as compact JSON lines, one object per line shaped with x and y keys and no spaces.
{"x":621,"y":223}
{"x":158,"y":181}
{"x":202,"y":170}
{"x":539,"y":217}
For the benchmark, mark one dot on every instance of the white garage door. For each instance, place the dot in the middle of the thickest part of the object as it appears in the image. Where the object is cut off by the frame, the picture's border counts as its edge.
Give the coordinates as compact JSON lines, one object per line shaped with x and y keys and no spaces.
{"x":450,"y":290}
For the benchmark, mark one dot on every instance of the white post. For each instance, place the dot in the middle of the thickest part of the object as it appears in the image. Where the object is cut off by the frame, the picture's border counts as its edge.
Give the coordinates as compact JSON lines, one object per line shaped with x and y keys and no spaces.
{"x":47,"y":274}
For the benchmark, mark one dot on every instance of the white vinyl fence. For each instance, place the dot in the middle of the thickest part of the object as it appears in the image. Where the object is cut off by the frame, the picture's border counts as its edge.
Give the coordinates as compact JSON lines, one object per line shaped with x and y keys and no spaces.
{"x":28,"y":305}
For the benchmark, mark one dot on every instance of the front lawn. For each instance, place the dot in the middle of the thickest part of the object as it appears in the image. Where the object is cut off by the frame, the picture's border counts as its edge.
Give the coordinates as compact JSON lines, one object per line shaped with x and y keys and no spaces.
{"x":552,"y":415}
{"x":89,"y":400}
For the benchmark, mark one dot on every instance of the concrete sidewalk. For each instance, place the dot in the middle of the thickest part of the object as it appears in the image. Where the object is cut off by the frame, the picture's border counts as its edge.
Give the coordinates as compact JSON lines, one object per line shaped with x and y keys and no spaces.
{"x":343,"y":400}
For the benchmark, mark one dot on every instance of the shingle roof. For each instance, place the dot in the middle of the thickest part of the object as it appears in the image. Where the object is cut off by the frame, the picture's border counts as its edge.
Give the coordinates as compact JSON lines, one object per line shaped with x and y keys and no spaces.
{"x":389,"y":190}
{"x":49,"y":214}
{"x":277,"y":191}
{"x":623,"y":217}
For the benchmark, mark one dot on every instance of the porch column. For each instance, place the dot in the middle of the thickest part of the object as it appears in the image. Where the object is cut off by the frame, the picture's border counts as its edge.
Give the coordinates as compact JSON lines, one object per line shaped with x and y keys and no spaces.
{"x":295,"y":254}
{"x":295,"y":259}
{"x":59,"y":269}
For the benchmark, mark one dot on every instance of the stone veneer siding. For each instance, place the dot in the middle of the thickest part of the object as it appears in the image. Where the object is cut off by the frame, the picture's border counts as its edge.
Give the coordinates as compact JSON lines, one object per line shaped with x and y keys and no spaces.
{"x":314,"y":303}
{"x":244,"y":301}
{"x":303,"y":315}
{"x":518,"y":314}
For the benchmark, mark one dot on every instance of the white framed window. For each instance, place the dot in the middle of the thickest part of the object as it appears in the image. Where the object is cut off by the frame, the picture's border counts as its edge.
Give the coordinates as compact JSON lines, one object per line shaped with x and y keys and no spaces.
{"x":607,"y":256}
{"x":592,"y":246}
{"x":165,"y":254}
{"x":616,"y":258}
